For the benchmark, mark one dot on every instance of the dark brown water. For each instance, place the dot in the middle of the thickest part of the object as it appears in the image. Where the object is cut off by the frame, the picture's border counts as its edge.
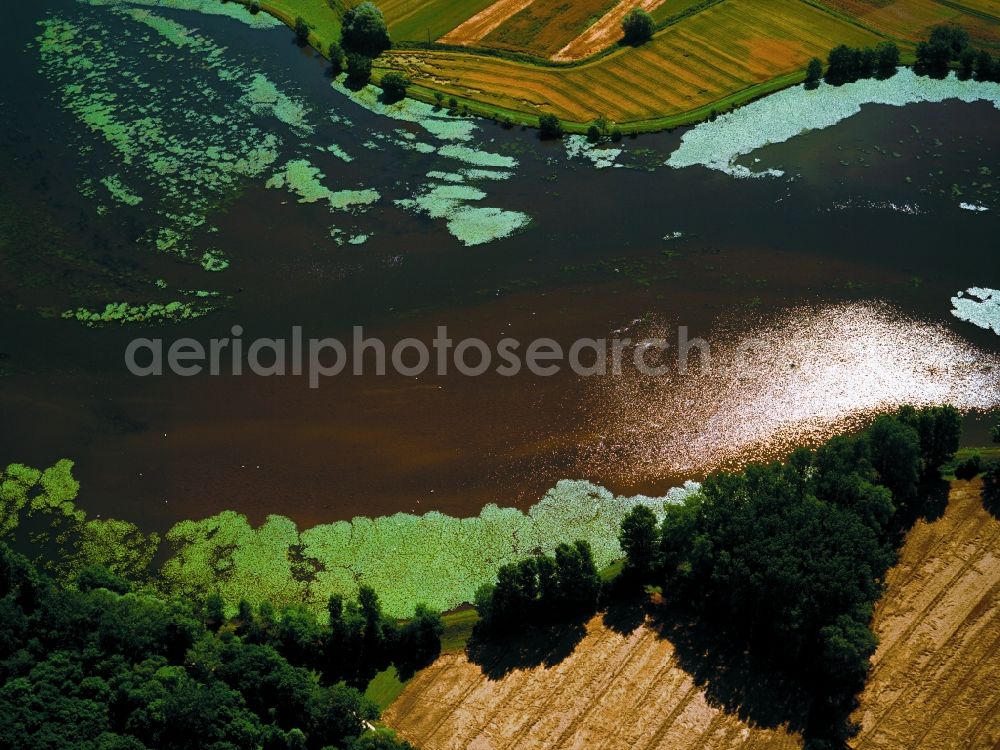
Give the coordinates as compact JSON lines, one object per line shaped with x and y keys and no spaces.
{"x":593,"y":260}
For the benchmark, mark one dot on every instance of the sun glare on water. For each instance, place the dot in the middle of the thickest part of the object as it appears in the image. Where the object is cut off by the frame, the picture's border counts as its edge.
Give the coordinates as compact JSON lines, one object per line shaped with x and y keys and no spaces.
{"x":813,"y":373}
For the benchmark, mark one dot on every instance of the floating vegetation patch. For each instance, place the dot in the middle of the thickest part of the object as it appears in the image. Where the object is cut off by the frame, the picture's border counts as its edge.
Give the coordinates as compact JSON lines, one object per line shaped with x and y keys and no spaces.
{"x":786,"y":114}
{"x":435,"y":121}
{"x":407,"y":559}
{"x":120,"y":192}
{"x":433,"y":559}
{"x":974,"y":207}
{"x":208,"y":7}
{"x":262,"y":96}
{"x":978,"y":306}
{"x":471,"y":225}
{"x":186,"y":125}
{"x":305,"y":181}
{"x":42,"y":504}
{"x":152,"y":312}
{"x":476,"y":157}
{"x":580,"y":147}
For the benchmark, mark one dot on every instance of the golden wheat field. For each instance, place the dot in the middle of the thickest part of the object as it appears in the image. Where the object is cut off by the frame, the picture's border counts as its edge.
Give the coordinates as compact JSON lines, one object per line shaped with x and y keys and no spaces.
{"x":933,"y":683}
{"x":712,"y":54}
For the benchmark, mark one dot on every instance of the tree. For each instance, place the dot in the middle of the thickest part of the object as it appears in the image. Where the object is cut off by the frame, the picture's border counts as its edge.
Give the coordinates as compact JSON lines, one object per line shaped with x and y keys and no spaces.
{"x":987,"y":70}
{"x":946,"y":43}
{"x":814,"y":73}
{"x":549,"y":127}
{"x":640,"y":540}
{"x":887,"y":60}
{"x":335,"y":54}
{"x":98,"y":577}
{"x":214,"y":612}
{"x":995,"y":434}
{"x":847,"y":647}
{"x":301,"y":31}
{"x":939,"y":428}
{"x":593,"y":134}
{"x":638,"y":27}
{"x":578,"y":583}
{"x":843,"y":65}
{"x":955,"y":38}
{"x":991,"y":488}
{"x":394,"y":86}
{"x":359,"y":69}
{"x":364,"y":31}
{"x":966,"y":64}
{"x":895,"y":453}
{"x":419,"y":641}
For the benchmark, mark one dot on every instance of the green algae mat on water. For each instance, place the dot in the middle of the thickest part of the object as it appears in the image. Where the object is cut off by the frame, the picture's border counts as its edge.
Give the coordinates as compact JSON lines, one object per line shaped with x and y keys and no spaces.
{"x":174,"y":123}
{"x":433,"y":559}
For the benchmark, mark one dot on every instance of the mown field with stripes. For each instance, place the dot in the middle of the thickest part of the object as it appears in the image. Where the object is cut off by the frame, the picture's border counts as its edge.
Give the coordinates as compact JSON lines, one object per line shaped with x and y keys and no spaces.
{"x":718,"y":52}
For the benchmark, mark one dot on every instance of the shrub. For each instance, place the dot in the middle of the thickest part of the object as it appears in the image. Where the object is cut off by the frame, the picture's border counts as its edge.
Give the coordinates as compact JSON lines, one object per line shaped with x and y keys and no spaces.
{"x":549,"y":127}
{"x":394,"y":86}
{"x":335,"y":54}
{"x":301,"y":31}
{"x":970,"y":468}
{"x":814,"y":73}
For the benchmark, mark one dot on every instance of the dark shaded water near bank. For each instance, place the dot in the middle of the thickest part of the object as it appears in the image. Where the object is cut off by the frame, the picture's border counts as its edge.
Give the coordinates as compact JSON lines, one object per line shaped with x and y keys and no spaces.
{"x":593,"y":259}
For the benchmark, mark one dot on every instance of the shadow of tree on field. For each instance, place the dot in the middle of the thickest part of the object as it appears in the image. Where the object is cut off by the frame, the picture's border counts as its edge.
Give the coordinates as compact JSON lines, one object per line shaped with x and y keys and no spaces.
{"x":991,"y":490}
{"x":733,"y":677}
{"x":546,"y":646}
{"x":623,"y":616}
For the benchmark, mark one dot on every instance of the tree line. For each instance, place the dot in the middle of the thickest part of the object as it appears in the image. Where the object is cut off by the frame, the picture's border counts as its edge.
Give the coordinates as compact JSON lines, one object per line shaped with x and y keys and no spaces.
{"x":946,"y":47}
{"x":98,"y":666}
{"x":789,"y":558}
{"x":540,"y":590}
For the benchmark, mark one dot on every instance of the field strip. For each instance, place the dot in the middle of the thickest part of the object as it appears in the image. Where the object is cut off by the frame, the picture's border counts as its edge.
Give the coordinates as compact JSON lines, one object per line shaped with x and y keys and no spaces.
{"x":485,"y":21}
{"x":934,"y":673}
{"x":603,"y":33}
{"x":616,"y":691}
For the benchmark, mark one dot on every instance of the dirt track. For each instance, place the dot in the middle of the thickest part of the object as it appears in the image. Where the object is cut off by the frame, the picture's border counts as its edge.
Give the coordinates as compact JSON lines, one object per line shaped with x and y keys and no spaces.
{"x":605,"y":32}
{"x":935,"y":681}
{"x":936,"y":676}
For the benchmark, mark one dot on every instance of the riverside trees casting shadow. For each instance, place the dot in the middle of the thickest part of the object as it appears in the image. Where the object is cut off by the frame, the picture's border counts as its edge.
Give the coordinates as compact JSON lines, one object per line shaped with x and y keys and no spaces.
{"x":535,"y":646}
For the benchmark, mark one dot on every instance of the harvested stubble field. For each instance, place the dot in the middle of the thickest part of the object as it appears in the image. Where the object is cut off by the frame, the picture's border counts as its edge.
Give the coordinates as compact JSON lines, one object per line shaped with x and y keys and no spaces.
{"x":726,"y":49}
{"x":546,"y":26}
{"x":474,"y":29}
{"x":933,"y":682}
{"x":427,"y":20}
{"x":614,"y":692}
